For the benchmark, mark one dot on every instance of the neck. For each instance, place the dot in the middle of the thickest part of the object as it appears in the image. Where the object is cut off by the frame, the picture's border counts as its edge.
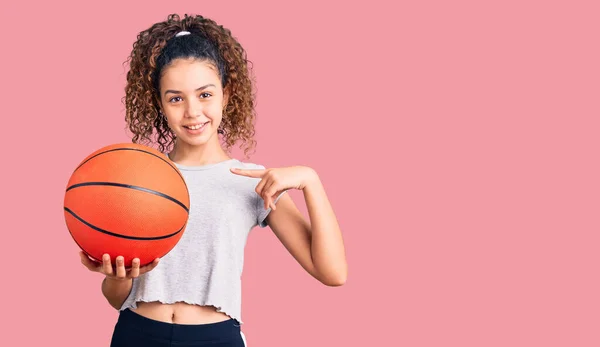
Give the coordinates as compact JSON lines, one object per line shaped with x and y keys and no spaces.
{"x":205,"y":154}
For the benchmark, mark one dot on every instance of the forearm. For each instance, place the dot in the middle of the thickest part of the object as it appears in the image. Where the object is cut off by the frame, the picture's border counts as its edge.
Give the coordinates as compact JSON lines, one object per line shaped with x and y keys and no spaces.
{"x":116,"y":291}
{"x":327,"y":246}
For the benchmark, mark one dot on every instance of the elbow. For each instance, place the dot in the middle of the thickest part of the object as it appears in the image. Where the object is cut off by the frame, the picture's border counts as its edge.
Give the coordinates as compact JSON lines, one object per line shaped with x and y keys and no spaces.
{"x":335,"y":283}
{"x":113,"y":302}
{"x":337,"y":280}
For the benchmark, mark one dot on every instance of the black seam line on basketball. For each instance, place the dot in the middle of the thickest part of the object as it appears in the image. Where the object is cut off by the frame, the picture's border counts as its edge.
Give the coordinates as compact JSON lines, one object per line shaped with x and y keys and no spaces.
{"x":121,"y":185}
{"x":119,"y":235}
{"x":133,"y":149}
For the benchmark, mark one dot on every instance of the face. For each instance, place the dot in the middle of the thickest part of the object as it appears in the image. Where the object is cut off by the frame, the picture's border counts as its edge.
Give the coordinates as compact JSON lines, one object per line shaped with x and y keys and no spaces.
{"x":192,"y":99}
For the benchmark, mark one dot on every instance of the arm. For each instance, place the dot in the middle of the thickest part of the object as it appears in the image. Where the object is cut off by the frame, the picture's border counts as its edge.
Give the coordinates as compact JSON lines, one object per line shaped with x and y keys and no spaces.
{"x":116,"y":291}
{"x":316,"y":244}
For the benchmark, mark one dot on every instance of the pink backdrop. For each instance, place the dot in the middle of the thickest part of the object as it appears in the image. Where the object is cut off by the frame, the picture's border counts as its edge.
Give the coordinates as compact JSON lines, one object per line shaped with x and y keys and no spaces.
{"x":458,"y":142}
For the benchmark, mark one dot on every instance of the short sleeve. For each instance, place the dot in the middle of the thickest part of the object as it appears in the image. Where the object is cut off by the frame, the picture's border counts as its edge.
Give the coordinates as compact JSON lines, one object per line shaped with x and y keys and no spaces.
{"x":261,"y":212}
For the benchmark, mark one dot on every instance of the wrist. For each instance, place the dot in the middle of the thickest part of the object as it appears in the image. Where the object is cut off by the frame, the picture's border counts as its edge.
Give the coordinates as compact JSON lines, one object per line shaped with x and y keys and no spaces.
{"x":311,"y":178}
{"x":116,"y":280}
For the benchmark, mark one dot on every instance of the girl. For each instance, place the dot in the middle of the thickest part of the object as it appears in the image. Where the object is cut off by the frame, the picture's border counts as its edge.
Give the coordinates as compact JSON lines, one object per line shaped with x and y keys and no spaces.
{"x":189,"y":90}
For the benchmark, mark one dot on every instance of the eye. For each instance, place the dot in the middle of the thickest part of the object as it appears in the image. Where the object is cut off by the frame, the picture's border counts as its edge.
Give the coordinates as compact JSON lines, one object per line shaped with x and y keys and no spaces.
{"x":205,"y":95}
{"x":173,"y":98}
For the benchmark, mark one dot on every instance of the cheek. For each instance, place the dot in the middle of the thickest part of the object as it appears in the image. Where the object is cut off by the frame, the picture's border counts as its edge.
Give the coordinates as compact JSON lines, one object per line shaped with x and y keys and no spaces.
{"x":215,"y":112}
{"x":173,"y":119}
{"x":173,"y":113}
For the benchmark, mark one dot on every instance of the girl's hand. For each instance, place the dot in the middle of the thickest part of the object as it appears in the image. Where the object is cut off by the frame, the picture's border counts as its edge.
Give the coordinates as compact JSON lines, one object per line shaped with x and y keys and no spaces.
{"x":274,"y":181}
{"x":118,"y":272}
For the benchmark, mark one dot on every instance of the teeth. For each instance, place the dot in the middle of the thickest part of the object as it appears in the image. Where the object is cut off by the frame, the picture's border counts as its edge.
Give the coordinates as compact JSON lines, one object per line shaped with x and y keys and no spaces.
{"x":195,"y":127}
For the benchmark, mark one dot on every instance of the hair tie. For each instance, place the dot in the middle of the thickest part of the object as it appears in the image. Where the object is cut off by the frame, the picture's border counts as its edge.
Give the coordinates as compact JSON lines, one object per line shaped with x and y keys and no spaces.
{"x":182,"y":33}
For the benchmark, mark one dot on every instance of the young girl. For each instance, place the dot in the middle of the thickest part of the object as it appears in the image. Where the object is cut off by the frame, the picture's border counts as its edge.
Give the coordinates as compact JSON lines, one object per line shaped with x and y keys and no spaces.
{"x":189,"y":90}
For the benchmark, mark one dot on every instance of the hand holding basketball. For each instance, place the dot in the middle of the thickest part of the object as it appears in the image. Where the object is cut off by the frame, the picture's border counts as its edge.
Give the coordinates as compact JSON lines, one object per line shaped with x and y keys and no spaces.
{"x":119,"y":271}
{"x":126,"y":200}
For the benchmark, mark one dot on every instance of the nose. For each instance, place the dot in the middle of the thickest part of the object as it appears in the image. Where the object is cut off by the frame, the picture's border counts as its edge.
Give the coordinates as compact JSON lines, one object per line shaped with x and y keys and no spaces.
{"x":193,"y":108}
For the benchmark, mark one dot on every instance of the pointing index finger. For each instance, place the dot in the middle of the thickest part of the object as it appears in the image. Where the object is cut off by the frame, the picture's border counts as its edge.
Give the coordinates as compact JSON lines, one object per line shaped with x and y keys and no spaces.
{"x":249,"y":173}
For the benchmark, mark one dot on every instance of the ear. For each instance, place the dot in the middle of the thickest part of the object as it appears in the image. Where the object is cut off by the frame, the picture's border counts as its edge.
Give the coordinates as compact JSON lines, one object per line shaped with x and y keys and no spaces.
{"x":160,"y":106}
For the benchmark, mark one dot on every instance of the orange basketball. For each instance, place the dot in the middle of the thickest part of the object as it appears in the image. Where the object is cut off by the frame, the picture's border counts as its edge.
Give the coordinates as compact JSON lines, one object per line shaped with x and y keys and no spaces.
{"x":129,"y":200}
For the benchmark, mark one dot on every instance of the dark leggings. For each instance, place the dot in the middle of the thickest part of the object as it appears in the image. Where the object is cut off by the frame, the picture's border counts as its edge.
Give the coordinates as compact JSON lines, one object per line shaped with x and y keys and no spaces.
{"x":134,"y":330}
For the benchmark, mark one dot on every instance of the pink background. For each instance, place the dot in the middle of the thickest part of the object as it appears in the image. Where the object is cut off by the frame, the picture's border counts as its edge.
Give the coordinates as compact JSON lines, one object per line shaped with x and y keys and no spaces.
{"x":458,"y":142}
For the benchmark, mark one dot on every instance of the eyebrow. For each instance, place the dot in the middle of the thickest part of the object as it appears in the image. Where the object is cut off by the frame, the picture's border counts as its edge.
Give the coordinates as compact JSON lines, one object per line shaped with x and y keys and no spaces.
{"x":178,"y":92}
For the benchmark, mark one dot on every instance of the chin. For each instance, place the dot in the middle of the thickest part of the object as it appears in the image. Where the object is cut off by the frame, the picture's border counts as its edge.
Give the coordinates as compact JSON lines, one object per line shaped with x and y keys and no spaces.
{"x":197,"y":140}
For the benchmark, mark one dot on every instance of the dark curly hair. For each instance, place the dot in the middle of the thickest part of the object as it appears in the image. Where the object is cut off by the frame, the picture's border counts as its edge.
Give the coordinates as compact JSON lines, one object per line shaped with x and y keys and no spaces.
{"x":156,"y":47}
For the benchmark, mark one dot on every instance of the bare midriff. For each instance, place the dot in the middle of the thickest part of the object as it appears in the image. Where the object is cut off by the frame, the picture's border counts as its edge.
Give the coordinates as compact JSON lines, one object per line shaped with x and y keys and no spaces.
{"x":180,"y":313}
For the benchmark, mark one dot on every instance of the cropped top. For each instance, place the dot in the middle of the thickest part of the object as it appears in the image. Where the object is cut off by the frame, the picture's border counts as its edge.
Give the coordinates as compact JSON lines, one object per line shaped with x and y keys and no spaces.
{"x":205,"y":266}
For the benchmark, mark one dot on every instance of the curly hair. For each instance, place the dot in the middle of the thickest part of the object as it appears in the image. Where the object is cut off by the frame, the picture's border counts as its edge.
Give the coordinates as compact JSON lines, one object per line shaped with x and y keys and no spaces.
{"x":156,"y":47}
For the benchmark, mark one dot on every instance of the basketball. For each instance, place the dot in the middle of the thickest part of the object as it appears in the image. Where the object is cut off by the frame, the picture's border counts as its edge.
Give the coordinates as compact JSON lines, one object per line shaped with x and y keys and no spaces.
{"x":129,"y":200}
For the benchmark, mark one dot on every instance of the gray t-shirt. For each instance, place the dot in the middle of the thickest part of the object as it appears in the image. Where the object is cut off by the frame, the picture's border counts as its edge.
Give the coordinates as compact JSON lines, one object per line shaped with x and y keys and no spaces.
{"x":205,"y":267}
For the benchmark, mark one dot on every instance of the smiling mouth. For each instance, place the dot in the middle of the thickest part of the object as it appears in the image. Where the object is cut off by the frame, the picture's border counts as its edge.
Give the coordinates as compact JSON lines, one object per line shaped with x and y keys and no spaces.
{"x":194,"y":126}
